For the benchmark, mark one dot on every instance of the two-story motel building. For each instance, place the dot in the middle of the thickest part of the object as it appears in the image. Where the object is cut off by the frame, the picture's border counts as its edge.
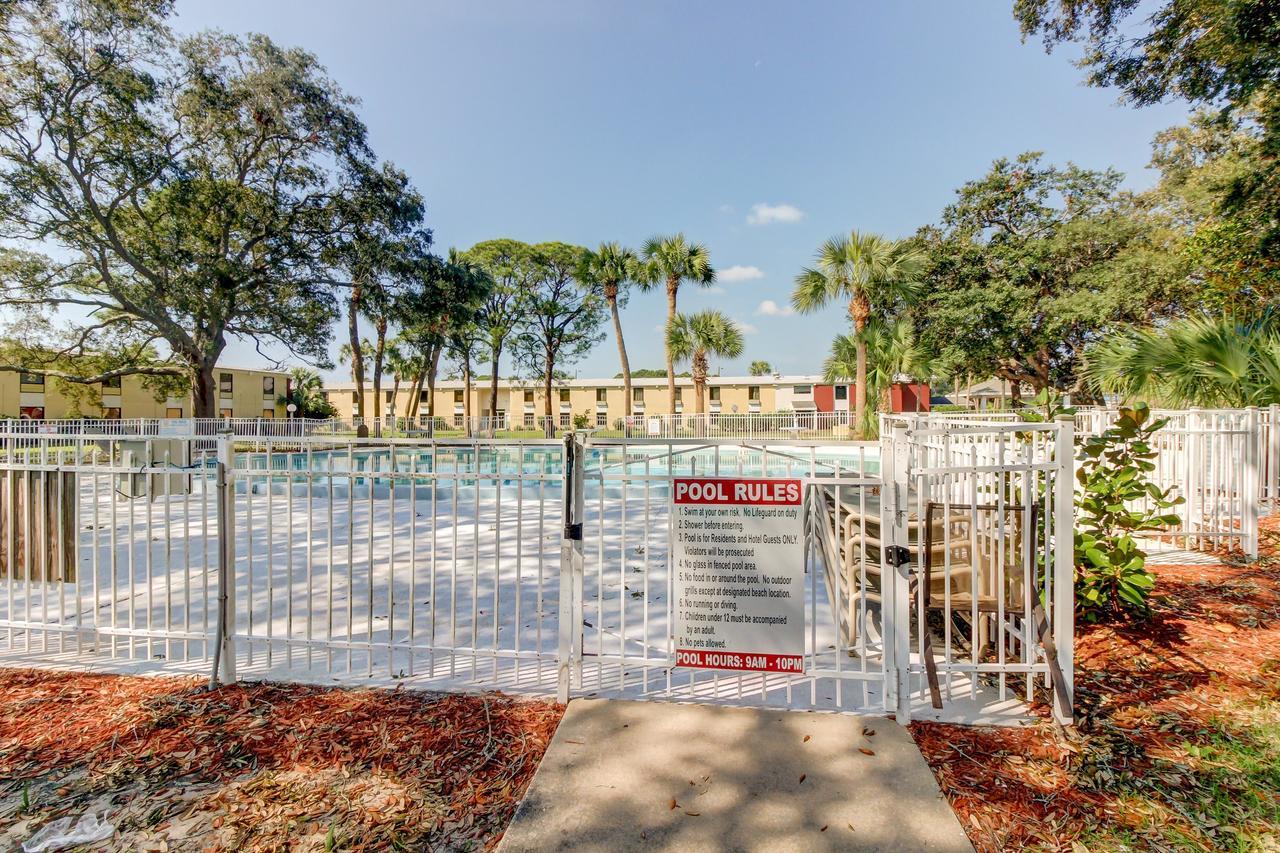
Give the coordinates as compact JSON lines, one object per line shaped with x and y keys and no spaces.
{"x":522,"y":402}
{"x":242,"y":393}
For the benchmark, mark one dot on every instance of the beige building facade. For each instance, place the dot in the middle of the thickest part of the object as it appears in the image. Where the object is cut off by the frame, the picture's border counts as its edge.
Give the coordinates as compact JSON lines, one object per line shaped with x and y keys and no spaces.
{"x":242,"y":393}
{"x":521,"y":403}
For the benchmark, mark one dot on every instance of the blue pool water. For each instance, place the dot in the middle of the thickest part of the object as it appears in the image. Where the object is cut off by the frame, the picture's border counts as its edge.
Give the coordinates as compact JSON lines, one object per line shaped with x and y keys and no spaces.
{"x":609,"y":461}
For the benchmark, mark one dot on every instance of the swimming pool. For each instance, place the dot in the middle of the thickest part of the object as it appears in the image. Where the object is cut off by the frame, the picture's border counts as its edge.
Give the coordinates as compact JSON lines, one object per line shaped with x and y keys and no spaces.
{"x":510,"y":464}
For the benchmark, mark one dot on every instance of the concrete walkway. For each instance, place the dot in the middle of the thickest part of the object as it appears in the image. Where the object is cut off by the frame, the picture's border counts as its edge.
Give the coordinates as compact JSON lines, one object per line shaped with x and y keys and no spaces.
{"x":625,"y":775}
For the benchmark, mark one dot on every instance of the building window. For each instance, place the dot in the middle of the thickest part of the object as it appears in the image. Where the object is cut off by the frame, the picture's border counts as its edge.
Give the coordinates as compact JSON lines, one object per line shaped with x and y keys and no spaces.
{"x":842,"y":392}
{"x":679,"y":395}
{"x":173,"y":412}
{"x":111,"y":413}
{"x":637,"y":396}
{"x":528,"y":420}
{"x":602,"y":395}
{"x":224,"y":383}
{"x":113,"y":382}
{"x":268,"y":386}
{"x":564,"y":419}
{"x":457,"y":396}
{"x":802,"y":390}
{"x":389,"y":396}
{"x":31,"y":413}
{"x":714,"y":391}
{"x":564,"y":395}
{"x":457,"y":419}
{"x":268,"y":413}
{"x":753,"y":393}
{"x":602,"y":418}
{"x":31,"y":378}
{"x":528,"y":396}
{"x":224,"y":413}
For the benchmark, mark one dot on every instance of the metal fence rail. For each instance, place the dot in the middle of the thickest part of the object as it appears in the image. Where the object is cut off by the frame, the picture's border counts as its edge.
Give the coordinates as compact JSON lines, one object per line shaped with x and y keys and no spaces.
{"x":534,"y":565}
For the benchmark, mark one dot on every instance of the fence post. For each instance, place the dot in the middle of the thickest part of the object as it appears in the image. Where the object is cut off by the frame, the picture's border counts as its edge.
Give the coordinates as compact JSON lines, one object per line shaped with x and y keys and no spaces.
{"x":897,"y":603}
{"x":1272,"y":462}
{"x":225,"y":651}
{"x":1064,"y":570}
{"x":569,"y":657}
{"x":1253,"y":442}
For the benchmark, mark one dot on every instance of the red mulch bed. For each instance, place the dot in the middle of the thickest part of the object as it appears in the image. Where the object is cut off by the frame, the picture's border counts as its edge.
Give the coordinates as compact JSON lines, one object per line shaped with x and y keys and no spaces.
{"x":270,"y":764}
{"x":1143,"y":692}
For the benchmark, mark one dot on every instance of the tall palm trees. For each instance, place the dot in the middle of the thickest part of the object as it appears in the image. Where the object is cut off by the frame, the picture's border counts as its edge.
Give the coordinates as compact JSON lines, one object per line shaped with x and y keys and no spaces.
{"x":693,"y":338}
{"x":673,"y":260}
{"x":866,"y":269}
{"x":609,"y":269}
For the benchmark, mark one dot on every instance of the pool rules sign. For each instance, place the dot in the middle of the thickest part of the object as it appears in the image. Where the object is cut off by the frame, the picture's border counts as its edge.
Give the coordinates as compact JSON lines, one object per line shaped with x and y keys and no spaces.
{"x":738,"y":559}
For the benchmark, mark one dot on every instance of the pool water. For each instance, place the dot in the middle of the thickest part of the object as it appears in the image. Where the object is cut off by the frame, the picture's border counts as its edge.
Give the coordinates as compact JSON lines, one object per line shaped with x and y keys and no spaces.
{"x":608,"y":462}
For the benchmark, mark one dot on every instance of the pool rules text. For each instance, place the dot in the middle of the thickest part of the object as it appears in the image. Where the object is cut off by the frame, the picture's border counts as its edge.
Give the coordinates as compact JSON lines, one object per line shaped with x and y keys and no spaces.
{"x":738,"y":558}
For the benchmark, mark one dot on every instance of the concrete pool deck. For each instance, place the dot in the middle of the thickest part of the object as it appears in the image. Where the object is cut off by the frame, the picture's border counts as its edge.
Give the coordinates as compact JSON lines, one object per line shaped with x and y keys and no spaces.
{"x":623,"y":775}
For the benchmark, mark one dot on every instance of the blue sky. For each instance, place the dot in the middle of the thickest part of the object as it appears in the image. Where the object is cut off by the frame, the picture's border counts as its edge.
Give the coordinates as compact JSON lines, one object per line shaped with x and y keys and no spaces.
{"x":588,"y":121}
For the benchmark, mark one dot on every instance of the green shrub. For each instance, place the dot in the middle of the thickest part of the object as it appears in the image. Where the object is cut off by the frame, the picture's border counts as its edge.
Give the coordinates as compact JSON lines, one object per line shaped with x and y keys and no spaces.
{"x":1112,"y":579}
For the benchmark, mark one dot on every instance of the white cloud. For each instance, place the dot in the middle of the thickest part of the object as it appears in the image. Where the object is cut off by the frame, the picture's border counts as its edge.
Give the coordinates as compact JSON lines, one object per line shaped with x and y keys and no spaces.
{"x":739,"y":273}
{"x":769,"y":308}
{"x":728,"y":209}
{"x":764,"y":214}
{"x":711,"y":291}
{"x":745,"y":328}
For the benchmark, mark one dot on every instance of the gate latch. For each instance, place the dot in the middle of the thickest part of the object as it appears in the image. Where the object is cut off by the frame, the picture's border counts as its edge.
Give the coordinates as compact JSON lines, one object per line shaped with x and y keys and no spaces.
{"x":897,"y":555}
{"x":573,"y":532}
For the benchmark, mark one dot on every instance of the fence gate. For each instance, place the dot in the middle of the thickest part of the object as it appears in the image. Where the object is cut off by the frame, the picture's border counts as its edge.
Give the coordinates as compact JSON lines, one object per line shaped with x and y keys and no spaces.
{"x":895,"y":537}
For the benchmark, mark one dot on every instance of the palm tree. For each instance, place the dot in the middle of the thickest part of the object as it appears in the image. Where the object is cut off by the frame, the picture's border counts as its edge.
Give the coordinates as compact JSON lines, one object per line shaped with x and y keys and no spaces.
{"x":1207,"y":362}
{"x":890,"y":349}
{"x":608,"y":270}
{"x":674,"y":260}
{"x":866,"y":269}
{"x":693,"y":338}
{"x":306,"y":392}
{"x":401,"y":363}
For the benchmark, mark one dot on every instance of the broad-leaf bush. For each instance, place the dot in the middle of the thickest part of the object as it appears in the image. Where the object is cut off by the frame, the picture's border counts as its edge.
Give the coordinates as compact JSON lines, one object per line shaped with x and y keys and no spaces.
{"x":1115,"y":501}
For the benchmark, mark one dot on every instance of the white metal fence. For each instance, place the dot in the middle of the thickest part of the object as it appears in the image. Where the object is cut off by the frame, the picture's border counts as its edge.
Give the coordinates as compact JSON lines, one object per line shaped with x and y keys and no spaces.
{"x":1223,"y":463}
{"x":534,"y":565}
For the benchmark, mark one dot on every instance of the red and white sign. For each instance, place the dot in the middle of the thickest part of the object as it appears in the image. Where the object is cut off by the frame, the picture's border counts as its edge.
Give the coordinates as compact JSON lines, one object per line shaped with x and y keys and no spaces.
{"x":738,"y":557}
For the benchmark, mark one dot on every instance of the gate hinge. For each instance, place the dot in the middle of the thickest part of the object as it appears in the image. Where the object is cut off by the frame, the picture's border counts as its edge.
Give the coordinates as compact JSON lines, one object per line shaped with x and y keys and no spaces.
{"x":897,"y":555}
{"x":573,"y":532}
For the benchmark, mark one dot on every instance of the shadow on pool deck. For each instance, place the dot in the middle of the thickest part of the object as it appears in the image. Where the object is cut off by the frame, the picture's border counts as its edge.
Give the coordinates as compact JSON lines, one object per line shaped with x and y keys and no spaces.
{"x":622,"y":775}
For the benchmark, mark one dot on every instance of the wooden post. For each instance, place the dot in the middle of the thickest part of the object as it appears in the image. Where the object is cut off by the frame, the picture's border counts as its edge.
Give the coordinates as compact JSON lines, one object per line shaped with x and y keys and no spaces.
{"x":37,"y":525}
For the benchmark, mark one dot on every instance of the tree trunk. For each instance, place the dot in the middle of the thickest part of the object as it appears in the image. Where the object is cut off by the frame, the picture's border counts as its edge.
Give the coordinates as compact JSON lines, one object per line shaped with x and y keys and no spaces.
{"x":673,"y":285}
{"x":433,"y":371}
{"x":357,"y":353}
{"x":204,"y":389}
{"x":860,"y":311}
{"x":466,"y":392}
{"x":611,"y":293}
{"x":395,"y":393}
{"x":415,"y":397}
{"x":493,"y":384}
{"x":549,"y":429}
{"x":699,"y":391}
{"x":379,"y":353}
